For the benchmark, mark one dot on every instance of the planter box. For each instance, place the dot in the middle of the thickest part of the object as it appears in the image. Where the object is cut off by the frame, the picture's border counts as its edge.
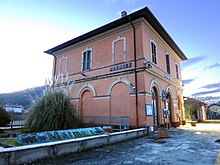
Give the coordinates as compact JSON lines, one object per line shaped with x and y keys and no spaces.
{"x":183,"y":122}
{"x":107,"y":129}
{"x":163,"y":133}
{"x":193,"y":123}
{"x":176,"y":124}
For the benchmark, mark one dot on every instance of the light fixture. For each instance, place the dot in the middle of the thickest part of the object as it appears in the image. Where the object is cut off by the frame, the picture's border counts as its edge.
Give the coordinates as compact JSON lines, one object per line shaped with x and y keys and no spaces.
{"x":83,"y":74}
{"x":148,"y":64}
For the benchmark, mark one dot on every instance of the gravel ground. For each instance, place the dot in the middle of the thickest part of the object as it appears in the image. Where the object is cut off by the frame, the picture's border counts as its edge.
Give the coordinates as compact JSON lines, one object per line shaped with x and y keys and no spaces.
{"x":186,"y":145}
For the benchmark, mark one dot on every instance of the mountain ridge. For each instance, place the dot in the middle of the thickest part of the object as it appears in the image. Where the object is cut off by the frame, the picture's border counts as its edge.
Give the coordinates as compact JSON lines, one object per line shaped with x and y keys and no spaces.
{"x":25,"y":97}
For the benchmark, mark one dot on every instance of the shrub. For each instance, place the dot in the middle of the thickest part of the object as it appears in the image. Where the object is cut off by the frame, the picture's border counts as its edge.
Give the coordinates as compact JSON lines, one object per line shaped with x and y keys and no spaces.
{"x":4,"y":117}
{"x":53,"y":111}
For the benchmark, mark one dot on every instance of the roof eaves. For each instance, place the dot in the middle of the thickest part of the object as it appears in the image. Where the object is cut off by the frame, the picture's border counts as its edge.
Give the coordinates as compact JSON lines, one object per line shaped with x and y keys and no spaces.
{"x":94,"y":32}
{"x":145,"y":12}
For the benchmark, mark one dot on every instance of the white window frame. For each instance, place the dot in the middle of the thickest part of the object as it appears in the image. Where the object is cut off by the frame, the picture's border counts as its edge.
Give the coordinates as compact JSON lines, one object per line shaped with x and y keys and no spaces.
{"x":167,"y":54}
{"x":86,"y":69}
{"x":66,"y":65}
{"x":152,"y":41}
{"x":177,"y":71}
{"x":113,"y":48}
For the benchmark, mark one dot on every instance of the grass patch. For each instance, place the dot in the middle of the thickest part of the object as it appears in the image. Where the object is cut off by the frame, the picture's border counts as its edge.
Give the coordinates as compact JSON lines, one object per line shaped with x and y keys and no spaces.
{"x":12,"y":141}
{"x":17,"y":131}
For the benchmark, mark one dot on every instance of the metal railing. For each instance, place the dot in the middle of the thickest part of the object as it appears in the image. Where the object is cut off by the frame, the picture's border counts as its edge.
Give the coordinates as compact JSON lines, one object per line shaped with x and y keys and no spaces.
{"x":119,"y":123}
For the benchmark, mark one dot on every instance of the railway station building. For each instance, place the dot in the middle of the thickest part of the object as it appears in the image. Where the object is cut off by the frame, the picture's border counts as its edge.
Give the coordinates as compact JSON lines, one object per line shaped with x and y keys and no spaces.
{"x":127,"y":70}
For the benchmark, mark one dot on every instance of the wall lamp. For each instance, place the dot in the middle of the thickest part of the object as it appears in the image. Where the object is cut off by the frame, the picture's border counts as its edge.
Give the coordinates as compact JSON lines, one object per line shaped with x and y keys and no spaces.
{"x":148,"y":64}
{"x":83,"y":74}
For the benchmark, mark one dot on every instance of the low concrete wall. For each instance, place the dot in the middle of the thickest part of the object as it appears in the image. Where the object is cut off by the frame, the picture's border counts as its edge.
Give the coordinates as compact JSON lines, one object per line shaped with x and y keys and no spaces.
{"x":25,"y":154}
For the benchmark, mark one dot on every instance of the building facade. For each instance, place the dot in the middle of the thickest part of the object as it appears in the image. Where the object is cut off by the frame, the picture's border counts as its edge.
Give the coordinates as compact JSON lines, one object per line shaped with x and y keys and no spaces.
{"x":195,"y":109}
{"x":128,"y":68}
{"x":14,"y":108}
{"x":213,"y":111}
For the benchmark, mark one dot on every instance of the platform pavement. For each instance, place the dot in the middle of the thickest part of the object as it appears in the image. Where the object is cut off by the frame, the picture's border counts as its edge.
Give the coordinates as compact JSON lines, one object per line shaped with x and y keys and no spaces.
{"x":187,"y":145}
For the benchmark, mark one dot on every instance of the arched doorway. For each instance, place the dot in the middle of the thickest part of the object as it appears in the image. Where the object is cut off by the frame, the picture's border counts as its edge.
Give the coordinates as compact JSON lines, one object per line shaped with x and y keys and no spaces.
{"x":155,"y":107}
{"x":168,"y":105}
{"x":120,"y":100}
{"x":180,"y":110}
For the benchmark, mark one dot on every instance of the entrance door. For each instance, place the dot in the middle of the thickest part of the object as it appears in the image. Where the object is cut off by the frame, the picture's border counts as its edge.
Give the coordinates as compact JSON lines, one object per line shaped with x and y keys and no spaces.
{"x":169,"y":107}
{"x":155,"y":108}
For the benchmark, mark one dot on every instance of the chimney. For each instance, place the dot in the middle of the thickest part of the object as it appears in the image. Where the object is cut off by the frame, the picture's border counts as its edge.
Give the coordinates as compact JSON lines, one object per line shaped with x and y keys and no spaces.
{"x":123,"y":14}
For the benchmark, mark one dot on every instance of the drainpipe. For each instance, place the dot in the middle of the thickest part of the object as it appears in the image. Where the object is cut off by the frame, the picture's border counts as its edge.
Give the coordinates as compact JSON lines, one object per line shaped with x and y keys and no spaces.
{"x":54,"y":68}
{"x":135,"y":72}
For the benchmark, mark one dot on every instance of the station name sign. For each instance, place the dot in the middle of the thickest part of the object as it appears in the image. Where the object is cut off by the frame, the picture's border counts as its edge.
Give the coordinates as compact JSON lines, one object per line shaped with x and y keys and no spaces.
{"x":120,"y":67}
{"x":49,"y":136}
{"x":168,"y":77}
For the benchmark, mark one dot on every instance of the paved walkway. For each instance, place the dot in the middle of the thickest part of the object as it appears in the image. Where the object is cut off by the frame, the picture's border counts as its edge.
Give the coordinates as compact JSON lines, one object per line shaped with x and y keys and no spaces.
{"x":186,"y":145}
{"x":204,"y":127}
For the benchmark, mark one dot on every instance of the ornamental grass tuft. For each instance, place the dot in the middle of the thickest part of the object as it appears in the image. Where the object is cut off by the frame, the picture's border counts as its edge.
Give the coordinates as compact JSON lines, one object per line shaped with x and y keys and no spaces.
{"x":53,"y":111}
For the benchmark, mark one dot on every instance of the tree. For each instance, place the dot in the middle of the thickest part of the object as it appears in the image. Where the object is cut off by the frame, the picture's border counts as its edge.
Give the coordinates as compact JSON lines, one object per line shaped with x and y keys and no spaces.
{"x":4,"y":117}
{"x":53,"y":111}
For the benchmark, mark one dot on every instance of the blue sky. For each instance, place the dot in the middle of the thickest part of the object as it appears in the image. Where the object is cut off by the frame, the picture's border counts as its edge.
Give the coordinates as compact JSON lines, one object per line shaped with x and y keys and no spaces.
{"x":29,"y":27}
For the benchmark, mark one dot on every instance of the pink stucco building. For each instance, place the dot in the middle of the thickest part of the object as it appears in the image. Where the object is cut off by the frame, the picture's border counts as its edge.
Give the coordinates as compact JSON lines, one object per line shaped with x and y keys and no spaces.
{"x":128,"y":68}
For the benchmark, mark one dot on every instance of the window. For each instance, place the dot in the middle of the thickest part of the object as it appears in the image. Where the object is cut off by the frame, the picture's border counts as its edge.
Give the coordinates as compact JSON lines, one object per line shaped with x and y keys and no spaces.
{"x":87,"y":60}
{"x":63,"y":66}
{"x":153,"y":52}
{"x":177,"y":71}
{"x":119,"y":50}
{"x":168,"y":63}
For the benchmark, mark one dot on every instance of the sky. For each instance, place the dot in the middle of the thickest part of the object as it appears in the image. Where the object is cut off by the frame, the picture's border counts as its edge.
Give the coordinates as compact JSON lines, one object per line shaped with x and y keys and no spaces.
{"x":29,"y":27}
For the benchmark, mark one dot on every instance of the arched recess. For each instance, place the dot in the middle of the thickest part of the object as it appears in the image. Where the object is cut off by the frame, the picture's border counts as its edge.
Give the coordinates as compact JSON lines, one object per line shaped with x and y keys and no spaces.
{"x":120,"y":80}
{"x":169,"y":105}
{"x":180,"y":106}
{"x":87,"y":106}
{"x":86,"y":85}
{"x":168,"y":89}
{"x":154,"y":82}
{"x":155,"y":106}
{"x":119,"y":49}
{"x":120,"y":100}
{"x":86,"y":102}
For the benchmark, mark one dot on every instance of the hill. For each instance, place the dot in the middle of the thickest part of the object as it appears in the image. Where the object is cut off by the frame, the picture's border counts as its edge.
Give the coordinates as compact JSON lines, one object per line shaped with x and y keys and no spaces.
{"x":26,"y":97}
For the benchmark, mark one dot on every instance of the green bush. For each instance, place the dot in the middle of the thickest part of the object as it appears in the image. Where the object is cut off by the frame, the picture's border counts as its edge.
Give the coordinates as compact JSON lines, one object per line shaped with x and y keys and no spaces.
{"x":4,"y":117}
{"x":53,"y":111}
